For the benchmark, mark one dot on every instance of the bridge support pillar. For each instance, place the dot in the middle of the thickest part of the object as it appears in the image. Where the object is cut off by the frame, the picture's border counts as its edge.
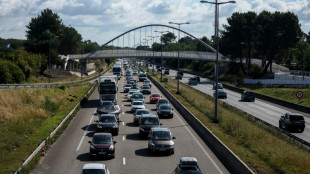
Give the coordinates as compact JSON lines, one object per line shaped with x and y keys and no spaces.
{"x":83,"y":64}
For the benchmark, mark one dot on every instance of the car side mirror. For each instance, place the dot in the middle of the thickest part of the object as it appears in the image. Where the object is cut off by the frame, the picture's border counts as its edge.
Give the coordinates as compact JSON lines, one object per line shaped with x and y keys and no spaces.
{"x":173,"y":137}
{"x":114,"y":142}
{"x":161,"y":124}
{"x":96,"y":121}
{"x":89,"y":141}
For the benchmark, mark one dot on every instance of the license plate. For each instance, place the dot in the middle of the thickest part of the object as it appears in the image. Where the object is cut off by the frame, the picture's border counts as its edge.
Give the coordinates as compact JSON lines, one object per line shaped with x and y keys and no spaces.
{"x":162,"y":149}
{"x":107,"y":130}
{"x":165,"y":115}
{"x":101,"y":153}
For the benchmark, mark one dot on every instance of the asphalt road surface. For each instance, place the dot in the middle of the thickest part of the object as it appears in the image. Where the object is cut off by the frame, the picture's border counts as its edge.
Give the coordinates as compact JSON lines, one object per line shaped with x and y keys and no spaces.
{"x":71,"y":150}
{"x":261,"y":109}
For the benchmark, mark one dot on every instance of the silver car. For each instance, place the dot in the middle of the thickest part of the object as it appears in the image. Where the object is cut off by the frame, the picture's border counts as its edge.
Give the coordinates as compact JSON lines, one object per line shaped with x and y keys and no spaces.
{"x":137,"y":105}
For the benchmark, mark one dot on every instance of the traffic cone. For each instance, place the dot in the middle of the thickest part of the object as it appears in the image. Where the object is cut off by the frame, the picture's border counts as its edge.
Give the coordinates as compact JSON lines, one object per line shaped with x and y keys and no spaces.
{"x":43,"y":151}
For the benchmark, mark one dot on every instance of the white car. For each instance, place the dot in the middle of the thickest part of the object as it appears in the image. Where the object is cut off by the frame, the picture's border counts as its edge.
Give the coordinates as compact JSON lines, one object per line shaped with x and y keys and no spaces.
{"x":94,"y":168}
{"x":137,"y":105}
{"x":131,"y":91}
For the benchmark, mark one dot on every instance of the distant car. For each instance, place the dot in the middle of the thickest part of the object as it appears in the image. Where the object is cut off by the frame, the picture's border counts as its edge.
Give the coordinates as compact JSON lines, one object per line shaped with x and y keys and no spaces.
{"x":135,"y":72}
{"x":192,"y":81}
{"x":292,"y":121}
{"x":165,"y":110}
{"x":188,"y":165}
{"x":137,"y":105}
{"x":147,"y":121}
{"x":248,"y":96}
{"x":161,"y":140}
{"x":102,"y":144}
{"x":166,"y":71}
{"x":108,"y":123}
{"x":147,"y":82}
{"x":91,"y":168}
{"x":132,"y":91}
{"x":220,"y":94}
{"x":142,"y":77}
{"x":146,"y":90}
{"x":198,"y":78}
{"x":178,"y":76}
{"x":161,"y":101}
{"x":219,"y":86}
{"x":127,"y":87}
{"x":137,"y":115}
{"x":154,"y":98}
{"x":108,"y":107}
{"x":137,"y":97}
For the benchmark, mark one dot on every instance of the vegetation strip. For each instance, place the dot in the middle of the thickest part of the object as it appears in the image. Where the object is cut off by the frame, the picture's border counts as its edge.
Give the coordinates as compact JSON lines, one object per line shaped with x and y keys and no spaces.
{"x":262,"y":148}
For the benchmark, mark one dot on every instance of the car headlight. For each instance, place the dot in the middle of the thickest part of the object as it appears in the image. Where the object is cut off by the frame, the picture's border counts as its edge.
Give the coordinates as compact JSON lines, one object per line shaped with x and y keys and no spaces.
{"x":141,"y":129}
{"x":99,"y":126}
{"x":115,"y":126}
{"x":111,"y":147}
{"x":92,"y":147}
{"x":152,"y":143}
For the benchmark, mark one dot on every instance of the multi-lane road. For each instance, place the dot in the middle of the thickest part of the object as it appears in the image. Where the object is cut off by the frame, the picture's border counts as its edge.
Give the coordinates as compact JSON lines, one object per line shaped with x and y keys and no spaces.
{"x":261,"y":109}
{"x":71,"y":150}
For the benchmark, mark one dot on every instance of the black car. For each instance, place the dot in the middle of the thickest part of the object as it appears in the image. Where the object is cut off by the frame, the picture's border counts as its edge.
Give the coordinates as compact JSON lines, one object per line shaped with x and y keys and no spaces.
{"x":147,"y":121}
{"x":108,"y":123}
{"x":161,"y":101}
{"x":146,"y":90}
{"x":102,"y":144}
{"x":127,"y":87}
{"x":178,"y":76}
{"x":138,"y":114}
{"x":248,"y":96}
{"x":292,"y":121}
{"x":165,"y":110}
{"x":187,"y":165}
{"x":166,"y":71}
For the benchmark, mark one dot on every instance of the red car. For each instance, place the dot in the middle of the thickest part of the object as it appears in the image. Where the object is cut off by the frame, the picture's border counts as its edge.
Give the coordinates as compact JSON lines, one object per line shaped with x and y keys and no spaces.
{"x":154,"y":98}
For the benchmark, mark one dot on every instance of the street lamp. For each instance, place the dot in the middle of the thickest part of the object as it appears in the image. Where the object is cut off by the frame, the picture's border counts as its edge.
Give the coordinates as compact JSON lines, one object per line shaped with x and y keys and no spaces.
{"x":216,"y":26}
{"x":303,"y":55}
{"x":153,"y":51}
{"x":178,"y":53}
{"x":161,"y":59}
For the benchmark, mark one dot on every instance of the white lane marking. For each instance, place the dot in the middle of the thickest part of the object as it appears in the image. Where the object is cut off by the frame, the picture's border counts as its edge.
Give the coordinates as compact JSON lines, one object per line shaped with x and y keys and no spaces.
{"x":123,"y":123}
{"x":124,"y":137}
{"x":82,"y":139}
{"x":123,"y":113}
{"x":124,"y":161}
{"x":207,"y":154}
{"x":122,"y":105}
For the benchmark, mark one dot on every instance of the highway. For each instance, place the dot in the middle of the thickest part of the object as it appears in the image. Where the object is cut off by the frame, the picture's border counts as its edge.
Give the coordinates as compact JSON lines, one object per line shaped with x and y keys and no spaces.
{"x":261,"y":109}
{"x":71,"y":150}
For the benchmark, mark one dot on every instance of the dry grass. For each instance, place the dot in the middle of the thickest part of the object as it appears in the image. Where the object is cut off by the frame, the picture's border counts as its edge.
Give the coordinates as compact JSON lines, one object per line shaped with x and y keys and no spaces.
{"x":263,"y":149}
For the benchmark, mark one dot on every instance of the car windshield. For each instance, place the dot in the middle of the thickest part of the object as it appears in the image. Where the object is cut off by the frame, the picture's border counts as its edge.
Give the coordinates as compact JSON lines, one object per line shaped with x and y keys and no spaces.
{"x":137,"y":103}
{"x":107,"y":119}
{"x":165,"y":107}
{"x":296,"y":117}
{"x":107,"y":88}
{"x":150,"y":121}
{"x":145,"y":87}
{"x":102,"y":139}
{"x":162,"y":135}
{"x":137,"y":96}
{"x":142,"y":75}
{"x":93,"y":171}
{"x":107,"y":103}
{"x":142,"y":112}
{"x":250,"y":93}
{"x":128,"y":85}
{"x":155,"y":95}
{"x":162,"y":101}
{"x":146,"y":81}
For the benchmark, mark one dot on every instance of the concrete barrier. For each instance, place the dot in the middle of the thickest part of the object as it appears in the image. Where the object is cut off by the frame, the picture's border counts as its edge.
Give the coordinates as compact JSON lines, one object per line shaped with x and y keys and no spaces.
{"x":225,"y":155}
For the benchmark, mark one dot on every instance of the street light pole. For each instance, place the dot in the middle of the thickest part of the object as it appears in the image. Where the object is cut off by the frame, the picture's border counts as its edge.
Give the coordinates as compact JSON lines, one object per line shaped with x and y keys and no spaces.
{"x":178,"y":84}
{"x":153,"y":52}
{"x":217,"y":49}
{"x":161,"y":59}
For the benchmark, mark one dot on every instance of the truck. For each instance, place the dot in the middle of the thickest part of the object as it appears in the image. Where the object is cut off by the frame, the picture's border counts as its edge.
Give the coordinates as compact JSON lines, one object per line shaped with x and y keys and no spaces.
{"x":107,"y":88}
{"x":117,"y":70}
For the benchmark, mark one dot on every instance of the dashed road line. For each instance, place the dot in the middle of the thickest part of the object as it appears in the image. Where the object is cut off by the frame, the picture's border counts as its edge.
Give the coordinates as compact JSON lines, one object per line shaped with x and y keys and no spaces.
{"x":82,"y":139}
{"x":124,"y":161}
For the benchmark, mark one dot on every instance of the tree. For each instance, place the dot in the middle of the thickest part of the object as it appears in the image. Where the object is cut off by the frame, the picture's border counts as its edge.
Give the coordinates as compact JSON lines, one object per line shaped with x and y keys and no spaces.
{"x":71,"y":42}
{"x":88,"y":46}
{"x":167,"y":38}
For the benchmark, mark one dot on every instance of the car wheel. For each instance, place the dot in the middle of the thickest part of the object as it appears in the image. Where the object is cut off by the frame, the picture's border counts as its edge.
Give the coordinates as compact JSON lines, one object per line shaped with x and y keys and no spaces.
{"x":116,"y":133}
{"x":172,"y":152}
{"x":301,"y":130}
{"x":91,"y":157}
{"x":280,"y":125}
{"x":113,"y":156}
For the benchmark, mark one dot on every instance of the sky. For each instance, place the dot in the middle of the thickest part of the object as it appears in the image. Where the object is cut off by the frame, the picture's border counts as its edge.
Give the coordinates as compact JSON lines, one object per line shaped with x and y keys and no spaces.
{"x":102,"y":20}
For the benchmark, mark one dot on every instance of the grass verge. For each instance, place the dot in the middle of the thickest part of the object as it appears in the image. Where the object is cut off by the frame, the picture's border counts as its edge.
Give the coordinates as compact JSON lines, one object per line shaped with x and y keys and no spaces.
{"x":263,"y":149}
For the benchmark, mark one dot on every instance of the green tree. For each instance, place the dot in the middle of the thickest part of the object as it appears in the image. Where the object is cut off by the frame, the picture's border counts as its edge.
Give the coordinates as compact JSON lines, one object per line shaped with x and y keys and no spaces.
{"x":71,"y":42}
{"x":88,"y":46}
{"x":168,"y":38}
{"x":10,"y":73}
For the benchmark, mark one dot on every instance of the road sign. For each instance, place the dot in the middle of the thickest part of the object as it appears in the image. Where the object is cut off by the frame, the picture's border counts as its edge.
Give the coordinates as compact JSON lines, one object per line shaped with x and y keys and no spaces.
{"x":299,"y":94}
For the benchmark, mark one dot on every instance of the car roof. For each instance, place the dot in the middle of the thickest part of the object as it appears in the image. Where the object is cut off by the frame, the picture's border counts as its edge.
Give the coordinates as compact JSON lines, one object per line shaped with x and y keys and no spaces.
{"x":94,"y":166}
{"x":297,"y":114}
{"x":142,"y":110}
{"x":188,"y":161}
{"x":163,"y":99}
{"x":107,"y":115}
{"x":155,"y":94}
{"x":164,"y":105}
{"x":220,"y":90}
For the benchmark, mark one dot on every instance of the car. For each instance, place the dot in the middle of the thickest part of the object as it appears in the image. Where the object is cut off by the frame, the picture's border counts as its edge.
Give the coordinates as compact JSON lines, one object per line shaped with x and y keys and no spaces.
{"x":248,"y":96}
{"x":108,"y":123}
{"x":154,"y":98}
{"x":137,"y":105}
{"x":178,"y":76}
{"x":138,"y":96}
{"x":292,"y":121}
{"x":146,"y":90}
{"x":192,"y":81}
{"x":166,"y":71}
{"x":131,"y":91}
{"x":165,"y":110}
{"x":187,"y":165}
{"x":137,"y":115}
{"x":161,"y":101}
{"x":102,"y":144}
{"x":142,"y":77}
{"x":220,"y":94}
{"x":161,"y":140}
{"x":127,"y":87}
{"x":198,"y":78}
{"x":134,"y":72}
{"x":147,"y":82}
{"x":91,"y":168}
{"x":147,"y":121}
{"x":108,"y":107}
{"x":219,"y":86}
